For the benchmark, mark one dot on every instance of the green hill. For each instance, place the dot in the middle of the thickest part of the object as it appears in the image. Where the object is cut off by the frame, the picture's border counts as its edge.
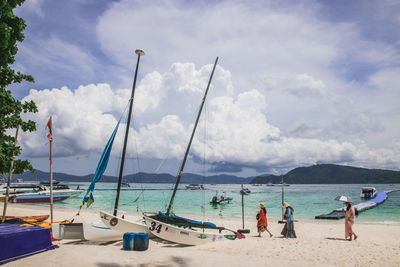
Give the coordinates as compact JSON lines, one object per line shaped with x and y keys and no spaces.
{"x":332,"y":174}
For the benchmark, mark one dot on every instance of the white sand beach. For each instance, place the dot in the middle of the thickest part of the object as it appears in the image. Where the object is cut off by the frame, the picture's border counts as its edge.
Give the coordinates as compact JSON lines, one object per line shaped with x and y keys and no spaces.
{"x":318,"y":243}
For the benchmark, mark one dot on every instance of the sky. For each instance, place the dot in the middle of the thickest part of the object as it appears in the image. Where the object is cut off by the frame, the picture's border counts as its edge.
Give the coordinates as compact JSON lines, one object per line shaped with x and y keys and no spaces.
{"x":297,"y":83}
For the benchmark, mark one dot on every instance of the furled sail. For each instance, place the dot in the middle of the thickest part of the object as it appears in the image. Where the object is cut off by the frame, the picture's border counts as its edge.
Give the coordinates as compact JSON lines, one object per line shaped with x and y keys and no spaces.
{"x":101,"y":167}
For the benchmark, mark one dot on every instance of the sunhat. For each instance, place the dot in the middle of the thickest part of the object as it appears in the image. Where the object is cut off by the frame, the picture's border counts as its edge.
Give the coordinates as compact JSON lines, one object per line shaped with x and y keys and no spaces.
{"x":285,"y":205}
{"x":261,"y":205}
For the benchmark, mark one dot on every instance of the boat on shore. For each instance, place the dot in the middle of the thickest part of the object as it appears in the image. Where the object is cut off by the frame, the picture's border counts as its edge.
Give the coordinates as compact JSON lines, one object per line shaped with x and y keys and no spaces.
{"x":36,"y":198}
{"x":22,"y":219}
{"x":180,"y":230}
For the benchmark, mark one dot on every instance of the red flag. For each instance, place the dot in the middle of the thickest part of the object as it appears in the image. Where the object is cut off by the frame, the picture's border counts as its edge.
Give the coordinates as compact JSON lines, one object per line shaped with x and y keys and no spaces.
{"x":48,"y":125}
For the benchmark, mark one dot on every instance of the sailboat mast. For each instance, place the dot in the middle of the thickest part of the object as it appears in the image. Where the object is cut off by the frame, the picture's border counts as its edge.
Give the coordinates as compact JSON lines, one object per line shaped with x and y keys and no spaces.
{"x":121,"y":169}
{"x":190,"y":142}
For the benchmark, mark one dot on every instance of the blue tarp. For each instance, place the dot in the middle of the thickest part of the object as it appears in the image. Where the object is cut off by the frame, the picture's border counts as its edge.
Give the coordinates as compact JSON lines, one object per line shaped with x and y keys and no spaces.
{"x":379,"y":198}
{"x":18,"y":241}
{"x":188,"y":220}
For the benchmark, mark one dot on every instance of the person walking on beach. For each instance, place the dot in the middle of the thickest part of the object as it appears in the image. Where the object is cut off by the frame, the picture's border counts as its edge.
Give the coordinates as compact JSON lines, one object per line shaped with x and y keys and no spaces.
{"x":348,"y":222}
{"x":288,"y":229}
{"x":262,"y":223}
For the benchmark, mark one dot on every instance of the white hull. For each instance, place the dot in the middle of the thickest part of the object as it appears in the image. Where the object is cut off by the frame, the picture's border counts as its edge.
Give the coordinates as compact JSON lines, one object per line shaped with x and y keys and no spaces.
{"x":184,"y":236}
{"x":67,"y":230}
{"x":99,"y":232}
{"x":123,"y":225}
{"x":89,"y":231}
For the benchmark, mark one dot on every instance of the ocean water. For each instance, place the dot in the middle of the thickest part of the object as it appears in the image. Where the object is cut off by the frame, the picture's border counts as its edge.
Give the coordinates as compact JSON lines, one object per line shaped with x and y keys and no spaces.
{"x":307,"y":200}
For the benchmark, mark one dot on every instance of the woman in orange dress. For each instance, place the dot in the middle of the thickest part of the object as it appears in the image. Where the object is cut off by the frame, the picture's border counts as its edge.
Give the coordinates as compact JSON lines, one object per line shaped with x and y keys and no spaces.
{"x":348,"y":222}
{"x":262,"y":223}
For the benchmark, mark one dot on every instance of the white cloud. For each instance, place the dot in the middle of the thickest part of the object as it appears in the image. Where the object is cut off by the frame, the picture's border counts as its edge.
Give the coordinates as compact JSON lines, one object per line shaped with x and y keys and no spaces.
{"x":236,"y":128}
{"x":327,"y":83}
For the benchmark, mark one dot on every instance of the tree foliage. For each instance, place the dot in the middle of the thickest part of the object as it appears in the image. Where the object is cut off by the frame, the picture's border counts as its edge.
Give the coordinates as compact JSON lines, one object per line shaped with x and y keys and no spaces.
{"x":11,"y":32}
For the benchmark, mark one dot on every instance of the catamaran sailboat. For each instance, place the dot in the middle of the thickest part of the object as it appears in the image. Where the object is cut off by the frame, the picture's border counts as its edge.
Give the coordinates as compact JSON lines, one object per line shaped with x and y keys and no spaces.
{"x":112,"y":227}
{"x":173,"y":228}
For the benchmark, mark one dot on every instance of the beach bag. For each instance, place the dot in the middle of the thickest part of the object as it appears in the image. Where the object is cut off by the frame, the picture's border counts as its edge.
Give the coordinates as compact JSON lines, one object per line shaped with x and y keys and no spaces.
{"x":258,"y":216}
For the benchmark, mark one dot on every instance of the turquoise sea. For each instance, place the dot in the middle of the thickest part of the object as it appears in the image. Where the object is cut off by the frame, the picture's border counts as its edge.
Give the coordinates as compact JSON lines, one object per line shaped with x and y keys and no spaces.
{"x":307,"y":200}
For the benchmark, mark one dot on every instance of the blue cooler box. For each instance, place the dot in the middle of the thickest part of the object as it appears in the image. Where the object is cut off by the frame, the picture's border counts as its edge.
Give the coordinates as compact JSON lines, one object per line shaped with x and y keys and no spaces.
{"x":128,"y":241}
{"x":136,"y":241}
{"x":141,"y":241}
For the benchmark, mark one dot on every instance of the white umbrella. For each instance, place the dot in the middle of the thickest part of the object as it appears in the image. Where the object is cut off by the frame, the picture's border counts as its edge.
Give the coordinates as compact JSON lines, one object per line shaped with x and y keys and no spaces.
{"x":344,"y":199}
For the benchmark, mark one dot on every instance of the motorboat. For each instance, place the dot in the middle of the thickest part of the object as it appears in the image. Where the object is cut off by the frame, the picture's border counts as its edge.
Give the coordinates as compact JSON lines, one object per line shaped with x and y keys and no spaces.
{"x":245,"y":191}
{"x":195,"y":187}
{"x":19,"y":189}
{"x":22,"y":188}
{"x":61,"y":188}
{"x":223,"y":199}
{"x":368,"y":192}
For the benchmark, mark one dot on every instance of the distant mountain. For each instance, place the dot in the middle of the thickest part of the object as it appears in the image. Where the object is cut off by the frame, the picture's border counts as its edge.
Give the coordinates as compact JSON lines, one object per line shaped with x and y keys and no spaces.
{"x":140,"y":177}
{"x":316,"y":174}
{"x":332,"y":174}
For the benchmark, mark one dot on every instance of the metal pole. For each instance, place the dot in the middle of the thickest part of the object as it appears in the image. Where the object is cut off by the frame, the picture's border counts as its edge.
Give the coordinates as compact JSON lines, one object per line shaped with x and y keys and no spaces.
{"x":190,"y":142}
{"x":51,"y":180}
{"x":283,"y":198}
{"x":242,"y":209}
{"x":121,"y":169}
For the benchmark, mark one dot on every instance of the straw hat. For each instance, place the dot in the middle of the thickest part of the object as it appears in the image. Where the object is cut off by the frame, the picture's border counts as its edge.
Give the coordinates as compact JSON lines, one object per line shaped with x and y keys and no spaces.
{"x":261,"y":205}
{"x":285,"y":205}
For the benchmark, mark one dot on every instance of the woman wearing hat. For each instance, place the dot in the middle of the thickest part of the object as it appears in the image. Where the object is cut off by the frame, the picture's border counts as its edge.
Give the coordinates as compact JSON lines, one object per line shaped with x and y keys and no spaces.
{"x":288,"y":230}
{"x":262,"y":223}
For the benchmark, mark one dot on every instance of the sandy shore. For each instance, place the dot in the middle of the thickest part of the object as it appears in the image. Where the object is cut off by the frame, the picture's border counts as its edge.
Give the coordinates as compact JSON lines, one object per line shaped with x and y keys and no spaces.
{"x":318,"y":243}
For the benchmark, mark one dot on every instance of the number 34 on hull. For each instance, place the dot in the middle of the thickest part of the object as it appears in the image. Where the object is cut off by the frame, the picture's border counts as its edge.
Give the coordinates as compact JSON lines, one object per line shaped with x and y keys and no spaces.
{"x":185,"y":236}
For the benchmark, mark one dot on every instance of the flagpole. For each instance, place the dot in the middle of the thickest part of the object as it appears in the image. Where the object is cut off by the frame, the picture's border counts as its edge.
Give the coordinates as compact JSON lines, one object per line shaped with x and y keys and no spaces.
{"x":51,"y":181}
{"x":50,"y":137}
{"x":9,"y":178}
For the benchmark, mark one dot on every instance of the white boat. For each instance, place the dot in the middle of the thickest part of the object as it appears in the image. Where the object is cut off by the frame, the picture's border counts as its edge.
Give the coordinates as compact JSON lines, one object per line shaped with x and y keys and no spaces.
{"x":61,"y":188}
{"x":181,"y":230}
{"x":187,"y":236}
{"x":368,"y":192}
{"x":122,"y":225}
{"x":245,"y":191}
{"x":37,"y":189}
{"x":195,"y":187}
{"x":95,"y":231}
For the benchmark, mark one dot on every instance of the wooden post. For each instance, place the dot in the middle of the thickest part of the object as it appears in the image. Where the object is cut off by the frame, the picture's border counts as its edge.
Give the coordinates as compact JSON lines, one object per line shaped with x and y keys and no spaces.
{"x":9,"y":178}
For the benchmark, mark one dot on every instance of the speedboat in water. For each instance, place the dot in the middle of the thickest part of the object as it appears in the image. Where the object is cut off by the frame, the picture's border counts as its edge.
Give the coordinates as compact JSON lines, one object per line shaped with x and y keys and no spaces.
{"x":195,"y":187}
{"x":368,"y":192}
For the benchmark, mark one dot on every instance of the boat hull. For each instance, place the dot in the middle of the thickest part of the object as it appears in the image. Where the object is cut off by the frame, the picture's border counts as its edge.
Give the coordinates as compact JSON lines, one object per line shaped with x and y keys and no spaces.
{"x":99,"y":232}
{"x":67,"y":230}
{"x":222,"y":201}
{"x":37,"y":198}
{"x":122,"y":225}
{"x":37,"y":218}
{"x":182,"y":235}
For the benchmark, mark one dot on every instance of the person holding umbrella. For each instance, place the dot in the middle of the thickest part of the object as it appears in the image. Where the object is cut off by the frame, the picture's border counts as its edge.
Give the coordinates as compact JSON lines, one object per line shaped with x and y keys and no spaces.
{"x":349,"y":221}
{"x":350,"y":213}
